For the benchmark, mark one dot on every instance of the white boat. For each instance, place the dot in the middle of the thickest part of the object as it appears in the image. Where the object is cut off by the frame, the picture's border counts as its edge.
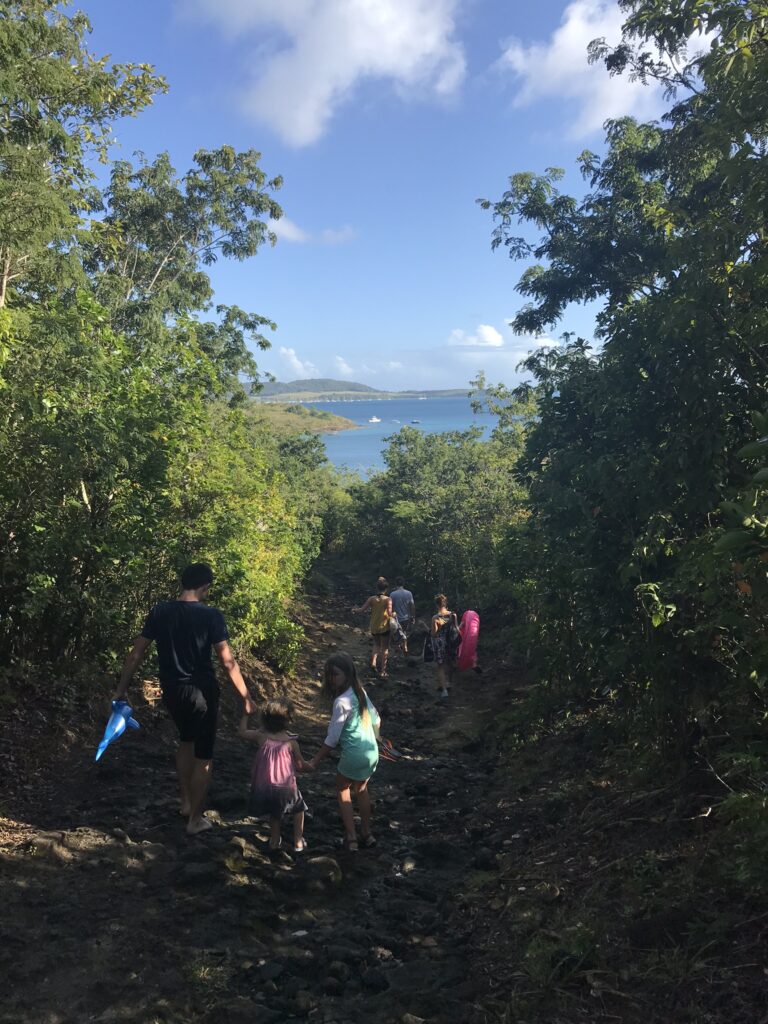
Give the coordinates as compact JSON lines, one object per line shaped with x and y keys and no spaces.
{"x":374,"y":419}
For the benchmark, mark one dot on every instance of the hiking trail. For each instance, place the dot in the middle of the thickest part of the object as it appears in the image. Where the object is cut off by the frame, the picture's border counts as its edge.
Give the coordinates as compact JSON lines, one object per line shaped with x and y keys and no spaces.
{"x":112,"y":914}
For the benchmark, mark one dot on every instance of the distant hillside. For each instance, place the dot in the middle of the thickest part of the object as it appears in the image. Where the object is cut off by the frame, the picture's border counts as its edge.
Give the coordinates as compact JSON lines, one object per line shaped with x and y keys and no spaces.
{"x":323,"y":389}
{"x":319,"y":385}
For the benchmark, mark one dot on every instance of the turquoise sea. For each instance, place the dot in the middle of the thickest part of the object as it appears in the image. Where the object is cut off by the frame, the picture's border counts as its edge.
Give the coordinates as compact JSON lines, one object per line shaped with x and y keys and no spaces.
{"x":360,"y":450}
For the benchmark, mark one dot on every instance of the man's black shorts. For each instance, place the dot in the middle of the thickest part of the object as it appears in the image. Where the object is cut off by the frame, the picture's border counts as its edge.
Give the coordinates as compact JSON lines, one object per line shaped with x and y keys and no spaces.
{"x":194,"y":709}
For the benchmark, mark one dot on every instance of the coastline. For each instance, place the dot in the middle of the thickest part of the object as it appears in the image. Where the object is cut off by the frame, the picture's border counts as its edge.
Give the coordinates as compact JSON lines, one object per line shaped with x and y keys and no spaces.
{"x":295,"y":418}
{"x":309,"y":397}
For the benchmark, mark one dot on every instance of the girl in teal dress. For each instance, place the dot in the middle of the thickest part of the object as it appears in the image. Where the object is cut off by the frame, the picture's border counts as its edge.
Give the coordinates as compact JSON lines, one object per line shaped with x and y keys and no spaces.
{"x":354,"y":727}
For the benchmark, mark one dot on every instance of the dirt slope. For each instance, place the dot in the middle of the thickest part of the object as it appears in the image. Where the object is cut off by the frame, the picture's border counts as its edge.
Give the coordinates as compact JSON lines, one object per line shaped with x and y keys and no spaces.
{"x":112,"y":914}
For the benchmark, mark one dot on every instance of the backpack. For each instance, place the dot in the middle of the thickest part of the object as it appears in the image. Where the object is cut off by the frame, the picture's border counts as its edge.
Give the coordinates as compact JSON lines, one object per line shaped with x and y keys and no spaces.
{"x":429,"y":653}
{"x":452,"y":637}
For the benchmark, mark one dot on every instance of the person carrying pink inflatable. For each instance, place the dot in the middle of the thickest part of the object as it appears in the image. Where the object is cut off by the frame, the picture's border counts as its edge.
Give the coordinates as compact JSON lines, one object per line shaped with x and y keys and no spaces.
{"x":469,"y":627}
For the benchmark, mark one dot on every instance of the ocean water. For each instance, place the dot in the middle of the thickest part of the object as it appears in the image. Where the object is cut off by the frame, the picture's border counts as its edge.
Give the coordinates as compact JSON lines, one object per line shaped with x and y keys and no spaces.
{"x":360,"y":450}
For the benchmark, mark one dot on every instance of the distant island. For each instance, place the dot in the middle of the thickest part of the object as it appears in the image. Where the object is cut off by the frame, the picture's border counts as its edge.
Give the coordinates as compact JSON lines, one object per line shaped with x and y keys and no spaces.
{"x":327,"y":390}
{"x":288,"y":418}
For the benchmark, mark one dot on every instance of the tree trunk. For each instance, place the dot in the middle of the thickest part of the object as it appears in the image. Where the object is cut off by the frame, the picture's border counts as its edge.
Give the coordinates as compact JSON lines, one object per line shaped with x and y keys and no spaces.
{"x":5,"y":273}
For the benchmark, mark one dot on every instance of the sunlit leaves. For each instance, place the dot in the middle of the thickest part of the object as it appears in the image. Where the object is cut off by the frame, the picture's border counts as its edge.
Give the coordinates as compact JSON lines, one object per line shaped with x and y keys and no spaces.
{"x":124,"y":453}
{"x":58,"y":104}
{"x":639,"y":492}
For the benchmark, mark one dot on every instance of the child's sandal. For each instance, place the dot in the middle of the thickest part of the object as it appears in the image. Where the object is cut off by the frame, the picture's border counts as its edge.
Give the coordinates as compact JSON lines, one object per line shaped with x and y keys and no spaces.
{"x":367,"y":842}
{"x":300,"y":846}
{"x":351,"y":845}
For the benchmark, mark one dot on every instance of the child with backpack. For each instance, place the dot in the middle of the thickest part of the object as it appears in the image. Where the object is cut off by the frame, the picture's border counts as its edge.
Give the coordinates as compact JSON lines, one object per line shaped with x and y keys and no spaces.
{"x":445,"y":638}
{"x":274,"y":791}
{"x":354,"y":727}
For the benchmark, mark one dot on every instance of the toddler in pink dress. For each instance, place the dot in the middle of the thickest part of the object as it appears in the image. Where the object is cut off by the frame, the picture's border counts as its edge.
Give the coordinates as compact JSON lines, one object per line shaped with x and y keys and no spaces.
{"x":274,"y":790}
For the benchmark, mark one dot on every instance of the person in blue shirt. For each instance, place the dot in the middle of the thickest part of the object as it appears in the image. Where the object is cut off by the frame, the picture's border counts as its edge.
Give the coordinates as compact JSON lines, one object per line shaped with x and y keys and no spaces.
{"x":404,"y":609}
{"x":185,"y":631}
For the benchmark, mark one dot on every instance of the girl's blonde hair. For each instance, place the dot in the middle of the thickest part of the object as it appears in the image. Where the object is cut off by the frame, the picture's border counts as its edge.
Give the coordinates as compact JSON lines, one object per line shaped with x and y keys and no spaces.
{"x":343,"y":661}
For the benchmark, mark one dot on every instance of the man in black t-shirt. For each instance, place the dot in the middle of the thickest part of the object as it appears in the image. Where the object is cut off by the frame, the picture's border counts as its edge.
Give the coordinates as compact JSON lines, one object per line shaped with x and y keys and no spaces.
{"x":185,"y":630}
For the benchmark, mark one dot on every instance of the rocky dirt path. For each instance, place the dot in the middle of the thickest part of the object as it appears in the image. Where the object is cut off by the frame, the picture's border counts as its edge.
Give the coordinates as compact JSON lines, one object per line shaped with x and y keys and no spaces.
{"x":111,"y":914}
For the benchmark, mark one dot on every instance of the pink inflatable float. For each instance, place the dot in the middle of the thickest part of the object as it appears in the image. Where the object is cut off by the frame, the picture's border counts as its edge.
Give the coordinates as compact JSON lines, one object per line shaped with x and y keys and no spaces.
{"x":470,"y":631}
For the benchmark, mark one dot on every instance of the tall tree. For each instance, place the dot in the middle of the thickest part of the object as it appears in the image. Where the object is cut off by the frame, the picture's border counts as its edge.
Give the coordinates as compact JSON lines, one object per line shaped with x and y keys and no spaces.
{"x":633,"y":450}
{"x":159,"y":232}
{"x":123,"y":457}
{"x":58,"y":103}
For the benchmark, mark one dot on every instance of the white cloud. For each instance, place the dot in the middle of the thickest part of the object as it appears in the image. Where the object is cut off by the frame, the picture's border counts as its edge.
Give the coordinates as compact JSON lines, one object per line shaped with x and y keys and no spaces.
{"x":559,"y":69}
{"x":499,"y":361}
{"x":321,"y":49}
{"x":394,"y":365}
{"x":484,"y":337}
{"x":523,"y":347}
{"x":300,"y":367}
{"x":343,"y":366}
{"x":338,"y":236}
{"x":287,"y":230}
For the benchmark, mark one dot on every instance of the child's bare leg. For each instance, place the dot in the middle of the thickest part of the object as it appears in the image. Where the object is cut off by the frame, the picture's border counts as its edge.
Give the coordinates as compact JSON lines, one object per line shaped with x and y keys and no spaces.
{"x":383,"y":655}
{"x":274,"y":833}
{"x":364,"y":806}
{"x":298,"y":828}
{"x":374,"y":652}
{"x":440,"y":677}
{"x":344,"y":794}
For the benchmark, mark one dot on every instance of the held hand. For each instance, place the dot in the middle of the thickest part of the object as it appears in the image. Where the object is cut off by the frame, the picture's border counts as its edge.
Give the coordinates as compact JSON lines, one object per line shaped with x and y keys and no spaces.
{"x":118,"y":695}
{"x":249,"y":708}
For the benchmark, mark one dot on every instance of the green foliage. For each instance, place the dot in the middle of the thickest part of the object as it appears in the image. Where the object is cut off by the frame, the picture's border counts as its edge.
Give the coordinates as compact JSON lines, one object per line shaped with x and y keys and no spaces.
{"x":742,"y":866}
{"x":125,"y":453}
{"x":440,"y":512}
{"x":297,"y":419}
{"x":639,"y":566}
{"x":159,"y":232}
{"x":116,"y":475}
{"x":57,"y":106}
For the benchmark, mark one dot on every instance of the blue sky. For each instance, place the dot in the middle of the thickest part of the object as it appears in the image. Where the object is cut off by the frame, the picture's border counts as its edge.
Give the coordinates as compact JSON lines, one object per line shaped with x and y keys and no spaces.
{"x":387,"y":120}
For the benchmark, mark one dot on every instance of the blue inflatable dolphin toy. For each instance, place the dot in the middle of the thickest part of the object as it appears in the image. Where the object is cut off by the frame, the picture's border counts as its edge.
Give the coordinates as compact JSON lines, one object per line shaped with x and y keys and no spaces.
{"x":122,"y":715}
